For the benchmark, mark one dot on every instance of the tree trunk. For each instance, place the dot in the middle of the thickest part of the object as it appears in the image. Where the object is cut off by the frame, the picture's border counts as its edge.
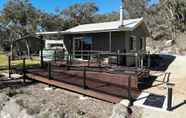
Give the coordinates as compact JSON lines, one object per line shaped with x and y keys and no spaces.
{"x":28,"y":49}
{"x":11,"y":51}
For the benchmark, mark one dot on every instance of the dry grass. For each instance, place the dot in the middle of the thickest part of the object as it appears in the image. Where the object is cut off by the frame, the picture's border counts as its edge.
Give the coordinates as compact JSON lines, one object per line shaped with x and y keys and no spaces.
{"x":17,"y":63}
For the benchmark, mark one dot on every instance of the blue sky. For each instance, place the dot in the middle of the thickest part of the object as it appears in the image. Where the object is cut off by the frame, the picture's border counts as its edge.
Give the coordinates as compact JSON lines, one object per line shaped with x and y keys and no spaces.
{"x":50,"y":5}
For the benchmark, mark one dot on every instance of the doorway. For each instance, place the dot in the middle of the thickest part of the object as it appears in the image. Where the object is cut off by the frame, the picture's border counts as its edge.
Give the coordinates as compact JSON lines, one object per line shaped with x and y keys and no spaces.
{"x":82,"y":47}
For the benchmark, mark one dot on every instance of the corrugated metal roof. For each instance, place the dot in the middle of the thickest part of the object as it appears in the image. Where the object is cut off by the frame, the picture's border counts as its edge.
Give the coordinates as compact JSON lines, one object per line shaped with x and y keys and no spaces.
{"x":129,"y":24}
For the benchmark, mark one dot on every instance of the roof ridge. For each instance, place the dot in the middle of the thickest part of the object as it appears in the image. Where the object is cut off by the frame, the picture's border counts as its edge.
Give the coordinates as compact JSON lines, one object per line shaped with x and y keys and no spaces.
{"x":109,"y":22}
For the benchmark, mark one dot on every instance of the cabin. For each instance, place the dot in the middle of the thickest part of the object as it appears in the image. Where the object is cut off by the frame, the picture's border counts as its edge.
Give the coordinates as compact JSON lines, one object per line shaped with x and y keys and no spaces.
{"x":98,"y":57}
{"x":129,"y":38}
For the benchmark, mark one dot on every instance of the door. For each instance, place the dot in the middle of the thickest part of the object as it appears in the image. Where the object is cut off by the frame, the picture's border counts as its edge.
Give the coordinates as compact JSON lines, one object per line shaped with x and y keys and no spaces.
{"x":82,"y":47}
{"x":77,"y":48}
{"x":87,"y":47}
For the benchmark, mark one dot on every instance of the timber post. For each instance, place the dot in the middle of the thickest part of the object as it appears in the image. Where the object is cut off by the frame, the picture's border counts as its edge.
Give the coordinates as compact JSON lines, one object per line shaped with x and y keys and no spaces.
{"x":41,"y":58}
{"x":84,"y":78}
{"x":55,"y":58}
{"x":68,"y":62}
{"x":149,"y":61}
{"x":136,"y":59}
{"x":118,"y":53}
{"x":9,"y":67}
{"x":49,"y":71}
{"x":142,"y":61}
{"x":130,"y":92}
{"x":24,"y":70}
{"x":88,"y":58}
{"x":99,"y":61}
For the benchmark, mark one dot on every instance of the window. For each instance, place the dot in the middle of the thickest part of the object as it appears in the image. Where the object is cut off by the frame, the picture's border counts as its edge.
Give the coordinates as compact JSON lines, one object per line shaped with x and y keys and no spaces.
{"x":56,"y":45}
{"x":131,"y":43}
{"x":141,"y":43}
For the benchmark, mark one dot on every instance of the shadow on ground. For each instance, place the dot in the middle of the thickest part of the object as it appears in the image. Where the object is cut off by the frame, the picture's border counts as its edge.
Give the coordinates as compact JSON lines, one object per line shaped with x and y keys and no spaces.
{"x":147,"y":82}
{"x":160,"y":62}
{"x":15,"y":83}
{"x":178,"y":105}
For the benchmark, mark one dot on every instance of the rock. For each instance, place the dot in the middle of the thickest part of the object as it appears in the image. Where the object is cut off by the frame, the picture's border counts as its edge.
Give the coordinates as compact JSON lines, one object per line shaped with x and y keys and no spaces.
{"x":125,"y":102}
{"x":13,"y":110}
{"x":121,"y":111}
{"x":3,"y":99}
{"x":169,"y":43}
{"x":153,"y":50}
{"x":51,"y":114}
{"x":158,"y":35}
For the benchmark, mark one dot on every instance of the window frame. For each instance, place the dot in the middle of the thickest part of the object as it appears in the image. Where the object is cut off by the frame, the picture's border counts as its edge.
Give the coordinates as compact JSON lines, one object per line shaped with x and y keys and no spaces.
{"x":132,"y":43}
{"x":141,"y":43}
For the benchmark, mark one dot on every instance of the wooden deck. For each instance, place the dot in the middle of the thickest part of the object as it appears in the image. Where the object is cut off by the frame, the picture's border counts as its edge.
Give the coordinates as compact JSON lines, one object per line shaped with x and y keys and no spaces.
{"x":103,"y":85}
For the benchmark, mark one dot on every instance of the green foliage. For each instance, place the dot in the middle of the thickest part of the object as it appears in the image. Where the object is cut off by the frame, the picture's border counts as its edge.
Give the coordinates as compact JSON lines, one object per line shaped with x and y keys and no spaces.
{"x":80,"y":13}
{"x":113,"y":16}
{"x":20,"y":15}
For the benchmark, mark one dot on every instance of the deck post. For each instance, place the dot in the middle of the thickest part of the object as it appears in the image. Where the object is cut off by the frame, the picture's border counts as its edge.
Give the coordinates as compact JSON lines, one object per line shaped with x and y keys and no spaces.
{"x":55,"y":58}
{"x":88,"y":58}
{"x":118,"y":53}
{"x":84,"y":78}
{"x":99,"y":61}
{"x":136,"y":55}
{"x":68,"y":62}
{"x":129,"y":92}
{"x":49,"y":71}
{"x":142,"y":61}
{"x":24,"y":70}
{"x":70,"y":58}
{"x":41,"y":58}
{"x":149,"y":61}
{"x":9,"y":67}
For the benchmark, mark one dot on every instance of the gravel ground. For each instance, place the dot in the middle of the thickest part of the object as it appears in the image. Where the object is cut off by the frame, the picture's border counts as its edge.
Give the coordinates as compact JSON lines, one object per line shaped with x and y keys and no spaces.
{"x":56,"y":103}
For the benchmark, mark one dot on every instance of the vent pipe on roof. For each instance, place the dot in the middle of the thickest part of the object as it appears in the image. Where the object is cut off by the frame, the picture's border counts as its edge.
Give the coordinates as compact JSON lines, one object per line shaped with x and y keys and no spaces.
{"x":122,"y":12}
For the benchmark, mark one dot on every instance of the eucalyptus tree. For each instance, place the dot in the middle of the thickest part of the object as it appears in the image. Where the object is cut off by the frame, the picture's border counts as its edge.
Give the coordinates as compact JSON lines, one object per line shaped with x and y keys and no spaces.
{"x":173,"y":13}
{"x":20,"y":18}
{"x":79,"y":13}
